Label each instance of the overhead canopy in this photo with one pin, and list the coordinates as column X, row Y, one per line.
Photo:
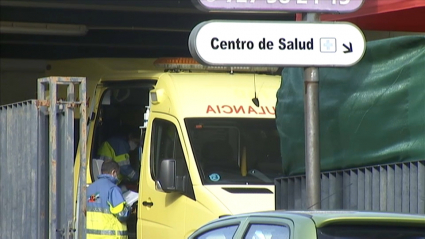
column 386, row 15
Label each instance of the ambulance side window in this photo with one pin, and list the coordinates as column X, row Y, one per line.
column 166, row 145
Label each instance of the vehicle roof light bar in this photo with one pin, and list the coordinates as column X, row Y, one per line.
column 188, row 63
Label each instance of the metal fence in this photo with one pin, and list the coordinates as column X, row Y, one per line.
column 37, row 161
column 398, row 187
column 23, row 171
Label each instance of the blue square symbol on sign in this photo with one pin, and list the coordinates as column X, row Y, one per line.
column 328, row 44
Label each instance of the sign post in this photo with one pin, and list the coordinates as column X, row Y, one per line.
column 307, row 44
column 312, row 129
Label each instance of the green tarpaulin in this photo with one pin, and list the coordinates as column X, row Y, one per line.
column 371, row 113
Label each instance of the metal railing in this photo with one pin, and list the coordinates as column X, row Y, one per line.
column 37, row 162
column 23, row 171
column 61, row 150
column 398, row 187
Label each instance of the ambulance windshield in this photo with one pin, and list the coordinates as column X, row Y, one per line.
column 235, row 150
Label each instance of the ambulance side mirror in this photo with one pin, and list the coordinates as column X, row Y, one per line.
column 168, row 181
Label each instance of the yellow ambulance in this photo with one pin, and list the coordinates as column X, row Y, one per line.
column 209, row 146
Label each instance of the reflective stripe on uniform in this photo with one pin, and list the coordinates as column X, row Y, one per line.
column 104, row 226
column 132, row 174
column 105, row 158
column 106, row 232
column 117, row 209
column 123, row 162
column 98, row 209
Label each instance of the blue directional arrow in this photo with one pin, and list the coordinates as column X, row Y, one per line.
column 349, row 49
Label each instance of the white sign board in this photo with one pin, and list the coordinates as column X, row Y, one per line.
column 266, row 43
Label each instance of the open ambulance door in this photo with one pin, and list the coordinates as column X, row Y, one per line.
column 116, row 104
column 78, row 207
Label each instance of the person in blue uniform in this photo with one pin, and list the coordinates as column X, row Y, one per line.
column 107, row 211
column 117, row 148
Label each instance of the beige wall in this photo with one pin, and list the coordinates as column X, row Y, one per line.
column 18, row 79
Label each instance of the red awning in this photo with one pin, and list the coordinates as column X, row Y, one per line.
column 386, row 15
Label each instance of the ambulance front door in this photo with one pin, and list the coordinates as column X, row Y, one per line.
column 162, row 215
